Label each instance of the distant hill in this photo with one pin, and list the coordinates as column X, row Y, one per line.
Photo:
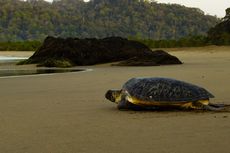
column 35, row 19
column 220, row 34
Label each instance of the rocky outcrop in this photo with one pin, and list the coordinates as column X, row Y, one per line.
column 61, row 52
column 220, row 34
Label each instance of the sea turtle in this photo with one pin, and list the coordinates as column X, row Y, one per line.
column 157, row 93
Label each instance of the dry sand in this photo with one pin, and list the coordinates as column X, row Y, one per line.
column 67, row 113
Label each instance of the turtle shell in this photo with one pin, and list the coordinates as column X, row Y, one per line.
column 165, row 89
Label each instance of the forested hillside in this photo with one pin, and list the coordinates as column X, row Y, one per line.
column 35, row 19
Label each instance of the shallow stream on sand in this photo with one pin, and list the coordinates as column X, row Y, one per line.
column 5, row 60
column 21, row 72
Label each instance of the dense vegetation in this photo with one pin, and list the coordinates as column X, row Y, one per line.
column 189, row 41
column 20, row 46
column 35, row 19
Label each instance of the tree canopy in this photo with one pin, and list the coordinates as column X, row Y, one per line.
column 35, row 19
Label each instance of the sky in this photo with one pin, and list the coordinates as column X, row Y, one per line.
column 211, row 7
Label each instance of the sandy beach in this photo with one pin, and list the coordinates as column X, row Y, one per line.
column 67, row 113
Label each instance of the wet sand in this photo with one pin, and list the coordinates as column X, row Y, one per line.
column 16, row 53
column 67, row 113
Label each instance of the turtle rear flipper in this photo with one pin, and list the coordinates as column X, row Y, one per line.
column 216, row 107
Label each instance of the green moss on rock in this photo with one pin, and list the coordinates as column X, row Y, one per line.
column 56, row 63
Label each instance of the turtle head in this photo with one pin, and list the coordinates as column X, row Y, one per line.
column 113, row 95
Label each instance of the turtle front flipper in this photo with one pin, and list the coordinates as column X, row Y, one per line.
column 126, row 105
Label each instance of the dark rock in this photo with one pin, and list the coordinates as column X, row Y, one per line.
column 74, row 51
column 220, row 34
column 155, row 58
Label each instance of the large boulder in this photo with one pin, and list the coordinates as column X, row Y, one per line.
column 61, row 52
